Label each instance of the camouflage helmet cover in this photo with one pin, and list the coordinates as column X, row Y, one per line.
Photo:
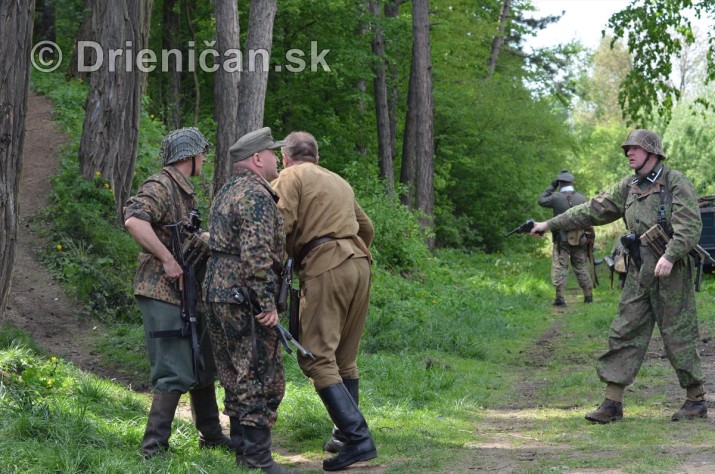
column 565, row 176
column 183, row 143
column 646, row 139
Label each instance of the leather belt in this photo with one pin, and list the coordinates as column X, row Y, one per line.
column 310, row 246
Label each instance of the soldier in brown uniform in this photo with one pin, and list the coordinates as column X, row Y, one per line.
column 569, row 246
column 658, row 288
column 247, row 247
column 327, row 234
column 164, row 199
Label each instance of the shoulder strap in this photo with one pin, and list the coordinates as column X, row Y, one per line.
column 665, row 197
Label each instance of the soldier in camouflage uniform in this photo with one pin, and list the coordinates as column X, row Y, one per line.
column 659, row 291
column 247, row 246
column 563, row 249
column 163, row 199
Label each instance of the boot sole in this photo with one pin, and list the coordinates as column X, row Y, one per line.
column 360, row 457
column 689, row 417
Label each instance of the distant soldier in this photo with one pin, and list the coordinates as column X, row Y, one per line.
column 569, row 245
column 658, row 288
column 164, row 199
column 247, row 246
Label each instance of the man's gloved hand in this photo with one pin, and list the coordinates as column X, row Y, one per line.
column 555, row 184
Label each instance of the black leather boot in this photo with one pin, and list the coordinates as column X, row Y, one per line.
column 344, row 412
column 257, row 451
column 158, row 426
column 204, row 411
column 690, row 410
column 237, row 439
column 336, row 443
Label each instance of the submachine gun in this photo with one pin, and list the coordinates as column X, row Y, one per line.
column 245, row 297
column 524, row 228
column 188, row 292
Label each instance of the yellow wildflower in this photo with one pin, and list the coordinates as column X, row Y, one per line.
column 97, row 174
column 59, row 247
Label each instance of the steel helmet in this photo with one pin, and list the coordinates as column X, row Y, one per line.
column 565, row 176
column 646, row 139
column 183, row 143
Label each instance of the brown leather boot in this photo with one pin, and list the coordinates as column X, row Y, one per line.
column 691, row 410
column 158, row 426
column 608, row 411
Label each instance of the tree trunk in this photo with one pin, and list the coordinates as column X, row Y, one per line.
column 499, row 38
column 407, row 172
column 392, row 10
column 110, row 134
column 85, row 33
column 421, row 83
column 382, row 111
column 225, row 90
column 170, row 40
column 45, row 21
column 15, row 45
column 252, row 90
column 194, row 73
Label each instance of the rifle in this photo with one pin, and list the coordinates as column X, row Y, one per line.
column 285, row 291
column 524, row 228
column 188, row 297
column 240, row 294
column 591, row 240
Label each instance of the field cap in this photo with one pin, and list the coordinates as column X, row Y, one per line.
column 253, row 142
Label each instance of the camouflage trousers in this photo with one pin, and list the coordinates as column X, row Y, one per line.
column 562, row 254
column 646, row 300
column 250, row 368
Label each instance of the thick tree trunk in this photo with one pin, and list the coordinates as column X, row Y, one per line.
column 110, row 134
column 392, row 10
column 499, row 38
column 382, row 111
column 170, row 41
column 409, row 146
column 421, row 84
column 254, row 81
column 225, row 90
column 15, row 46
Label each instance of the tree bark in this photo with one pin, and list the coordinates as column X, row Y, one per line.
column 254, row 81
column 498, row 39
column 170, row 40
column 225, row 90
column 421, row 84
column 392, row 10
column 110, row 134
column 15, row 46
column 85, row 33
column 382, row 111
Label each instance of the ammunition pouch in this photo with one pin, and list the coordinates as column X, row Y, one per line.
column 196, row 252
column 576, row 237
column 656, row 240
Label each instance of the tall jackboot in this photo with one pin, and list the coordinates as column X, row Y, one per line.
column 204, row 411
column 257, row 451
column 158, row 426
column 237, row 439
column 344, row 412
column 336, row 443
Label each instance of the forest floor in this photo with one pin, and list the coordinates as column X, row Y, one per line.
column 39, row 305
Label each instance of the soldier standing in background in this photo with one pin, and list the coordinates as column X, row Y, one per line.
column 327, row 234
column 165, row 199
column 569, row 245
column 658, row 288
column 247, row 246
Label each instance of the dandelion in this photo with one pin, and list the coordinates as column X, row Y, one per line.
column 151, row 116
column 106, row 185
column 59, row 247
column 97, row 174
column 53, row 359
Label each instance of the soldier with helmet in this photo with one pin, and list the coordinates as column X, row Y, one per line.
column 569, row 245
column 164, row 199
column 658, row 288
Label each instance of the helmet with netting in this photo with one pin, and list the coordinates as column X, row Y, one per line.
column 183, row 143
column 646, row 139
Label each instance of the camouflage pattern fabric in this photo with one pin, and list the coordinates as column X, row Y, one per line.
column 247, row 229
column 254, row 386
column 163, row 199
column 646, row 300
column 245, row 222
column 561, row 255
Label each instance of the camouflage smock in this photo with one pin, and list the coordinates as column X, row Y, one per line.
column 245, row 223
column 163, row 199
